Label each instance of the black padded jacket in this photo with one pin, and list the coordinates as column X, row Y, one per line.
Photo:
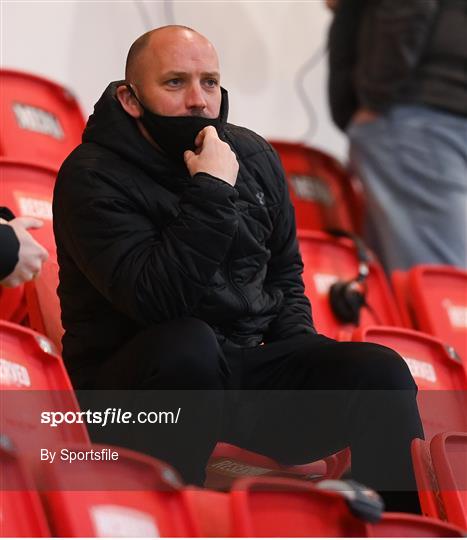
column 140, row 242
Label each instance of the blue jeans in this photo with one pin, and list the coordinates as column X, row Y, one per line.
column 412, row 162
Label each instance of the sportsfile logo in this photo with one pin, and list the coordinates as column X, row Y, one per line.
column 13, row 374
column 111, row 415
column 38, row 120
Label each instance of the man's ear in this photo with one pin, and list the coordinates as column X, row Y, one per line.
column 128, row 101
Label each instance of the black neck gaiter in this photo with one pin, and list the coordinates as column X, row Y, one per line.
column 176, row 134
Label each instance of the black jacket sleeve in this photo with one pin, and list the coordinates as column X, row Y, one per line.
column 392, row 39
column 342, row 43
column 9, row 250
column 9, row 244
column 6, row 213
column 285, row 269
column 149, row 274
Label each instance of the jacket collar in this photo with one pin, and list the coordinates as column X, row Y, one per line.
column 111, row 127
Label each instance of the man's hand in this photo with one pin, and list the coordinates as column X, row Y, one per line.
column 31, row 254
column 212, row 156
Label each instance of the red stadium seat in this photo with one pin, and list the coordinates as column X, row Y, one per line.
column 320, row 188
column 41, row 121
column 228, row 463
column 28, row 191
column 440, row 378
column 410, row 526
column 439, row 304
column 427, row 484
column 211, row 510
column 12, row 304
column 134, row 496
column 449, row 457
column 400, row 287
column 434, row 300
column 43, row 304
column 21, row 512
column 326, row 260
column 33, row 381
column 290, row 508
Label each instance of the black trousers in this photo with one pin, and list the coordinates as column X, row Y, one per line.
column 295, row 400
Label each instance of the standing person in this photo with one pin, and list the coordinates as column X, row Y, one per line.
column 398, row 86
column 180, row 271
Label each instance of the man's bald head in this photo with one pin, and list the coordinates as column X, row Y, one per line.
column 135, row 60
column 173, row 71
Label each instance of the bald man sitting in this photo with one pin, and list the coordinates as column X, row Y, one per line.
column 180, row 271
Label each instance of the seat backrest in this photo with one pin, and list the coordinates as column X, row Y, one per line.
column 22, row 514
column 394, row 525
column 34, row 383
column 132, row 495
column 318, row 187
column 293, row 508
column 30, row 361
column 400, row 287
column 440, row 378
column 229, row 463
column 12, row 304
column 28, row 191
column 326, row 260
column 449, row 457
column 43, row 304
column 41, row 121
column 211, row 510
column 439, row 301
column 427, row 484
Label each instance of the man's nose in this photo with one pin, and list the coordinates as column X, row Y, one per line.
column 195, row 98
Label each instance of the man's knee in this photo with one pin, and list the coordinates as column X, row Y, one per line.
column 192, row 356
column 384, row 369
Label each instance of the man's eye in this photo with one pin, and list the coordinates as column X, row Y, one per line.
column 174, row 82
column 211, row 83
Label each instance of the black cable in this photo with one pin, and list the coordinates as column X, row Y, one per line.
column 143, row 12
column 299, row 83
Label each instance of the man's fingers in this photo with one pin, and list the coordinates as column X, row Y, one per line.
column 208, row 131
column 200, row 137
column 187, row 155
column 44, row 254
column 29, row 222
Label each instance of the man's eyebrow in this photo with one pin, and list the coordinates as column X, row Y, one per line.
column 175, row 74
column 212, row 74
